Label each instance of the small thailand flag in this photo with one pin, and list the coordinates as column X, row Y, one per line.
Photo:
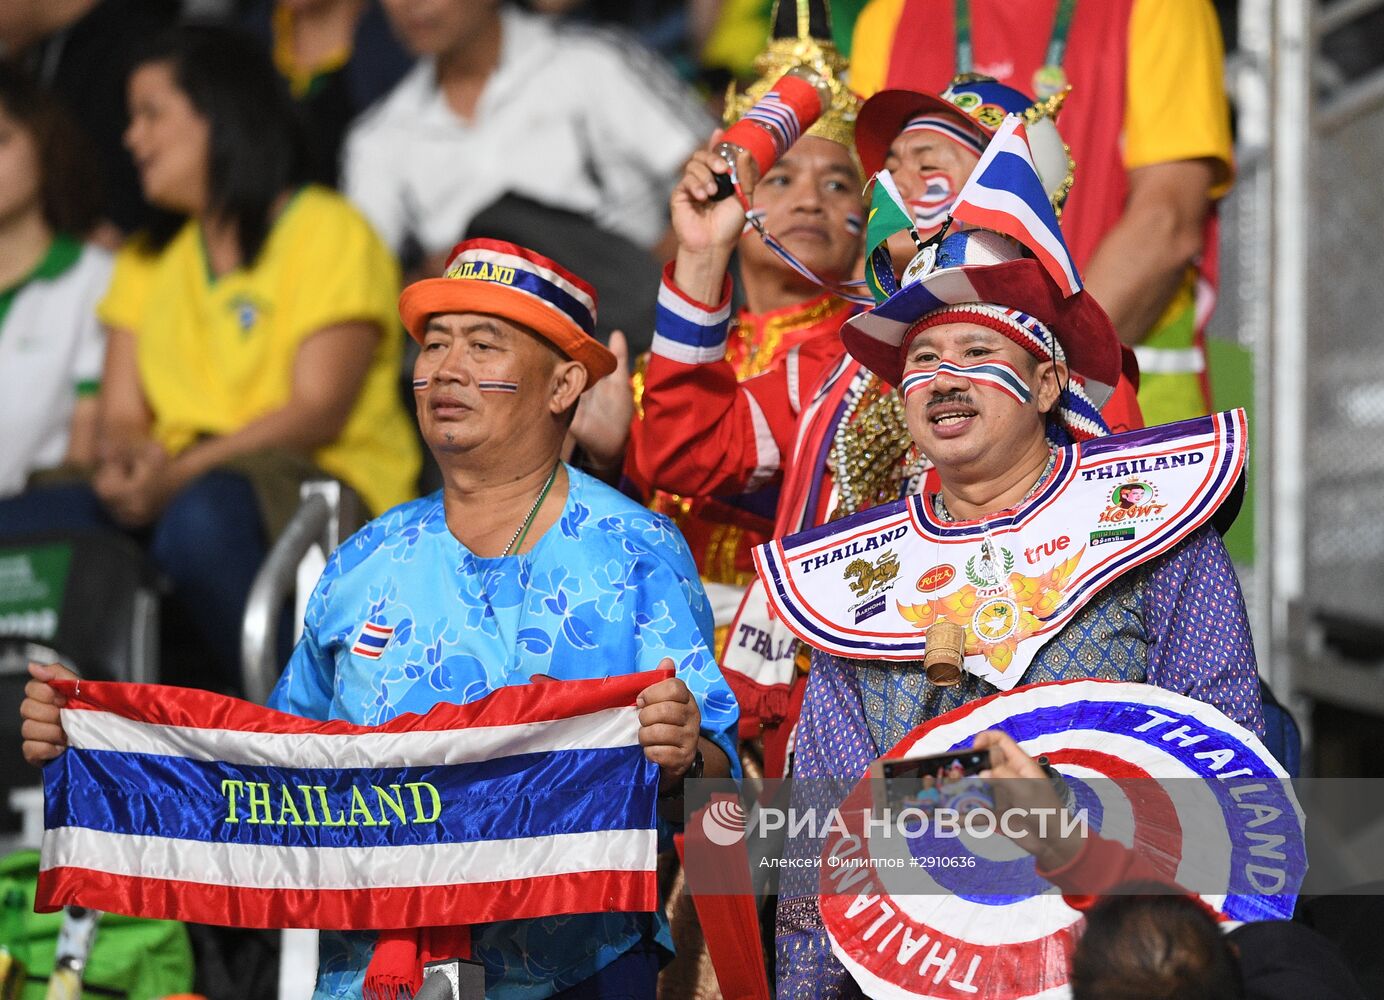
column 372, row 640
column 496, row 385
column 1004, row 194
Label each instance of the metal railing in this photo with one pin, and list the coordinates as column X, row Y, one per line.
column 329, row 511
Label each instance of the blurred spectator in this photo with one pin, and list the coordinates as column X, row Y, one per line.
column 786, row 337
column 338, row 56
column 1148, row 947
column 675, row 29
column 253, row 344
column 81, row 50
column 50, row 282
column 1149, row 128
column 1143, row 943
column 506, row 102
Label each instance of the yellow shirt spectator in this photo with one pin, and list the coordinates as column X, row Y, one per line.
column 216, row 353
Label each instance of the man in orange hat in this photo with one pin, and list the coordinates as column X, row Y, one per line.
column 519, row 568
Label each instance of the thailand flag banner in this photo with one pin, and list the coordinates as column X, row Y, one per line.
column 1004, row 194
column 180, row 804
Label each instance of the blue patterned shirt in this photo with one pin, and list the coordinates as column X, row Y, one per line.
column 610, row 589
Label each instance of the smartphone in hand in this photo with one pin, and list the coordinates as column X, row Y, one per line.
column 941, row 781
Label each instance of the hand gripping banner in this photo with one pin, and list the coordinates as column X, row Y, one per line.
column 534, row 801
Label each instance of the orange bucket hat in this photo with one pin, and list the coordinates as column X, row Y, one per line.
column 517, row 284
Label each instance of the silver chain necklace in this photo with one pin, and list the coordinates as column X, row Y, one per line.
column 528, row 520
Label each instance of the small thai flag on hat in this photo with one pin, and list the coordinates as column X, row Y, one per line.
column 372, row 640
column 1005, row 194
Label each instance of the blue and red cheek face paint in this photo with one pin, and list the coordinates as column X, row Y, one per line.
column 485, row 385
column 999, row 375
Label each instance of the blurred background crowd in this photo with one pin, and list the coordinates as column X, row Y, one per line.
column 208, row 208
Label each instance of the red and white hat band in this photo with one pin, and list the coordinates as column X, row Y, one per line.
column 949, row 127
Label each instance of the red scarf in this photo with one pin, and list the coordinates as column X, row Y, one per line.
column 396, row 967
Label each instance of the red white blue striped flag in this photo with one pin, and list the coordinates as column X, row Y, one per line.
column 1004, row 194
column 534, row 801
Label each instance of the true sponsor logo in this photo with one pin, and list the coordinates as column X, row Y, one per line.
column 1046, row 549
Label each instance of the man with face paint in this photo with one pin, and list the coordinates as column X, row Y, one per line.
column 520, row 567
column 829, row 431
column 1002, row 376
column 930, row 144
column 810, row 202
column 1148, row 123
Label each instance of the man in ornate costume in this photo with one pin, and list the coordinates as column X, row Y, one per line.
column 817, row 411
column 790, row 326
column 1024, row 550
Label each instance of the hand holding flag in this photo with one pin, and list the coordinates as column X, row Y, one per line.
column 1005, row 195
column 888, row 215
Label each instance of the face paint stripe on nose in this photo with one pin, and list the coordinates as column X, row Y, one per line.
column 992, row 374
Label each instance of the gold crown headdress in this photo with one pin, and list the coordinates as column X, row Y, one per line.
column 801, row 36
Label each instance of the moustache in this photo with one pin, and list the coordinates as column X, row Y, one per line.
column 964, row 398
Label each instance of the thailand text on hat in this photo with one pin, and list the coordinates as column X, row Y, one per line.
column 968, row 112
column 982, row 277
column 517, row 284
column 801, row 36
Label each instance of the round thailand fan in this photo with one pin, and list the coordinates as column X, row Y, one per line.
column 927, row 916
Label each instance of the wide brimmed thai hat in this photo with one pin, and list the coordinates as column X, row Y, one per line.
column 969, row 111
column 801, row 36
column 517, row 284
column 982, row 277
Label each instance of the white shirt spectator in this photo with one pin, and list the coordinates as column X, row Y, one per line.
column 51, row 350
column 572, row 117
